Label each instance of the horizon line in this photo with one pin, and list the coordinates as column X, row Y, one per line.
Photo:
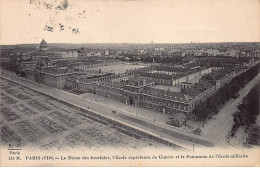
column 213, row 42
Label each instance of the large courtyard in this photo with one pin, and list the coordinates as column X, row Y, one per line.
column 31, row 119
column 119, row 68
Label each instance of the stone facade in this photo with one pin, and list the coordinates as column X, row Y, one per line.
column 140, row 92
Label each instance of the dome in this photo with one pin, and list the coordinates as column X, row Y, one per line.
column 43, row 44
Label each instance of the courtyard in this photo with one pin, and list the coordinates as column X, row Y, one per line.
column 119, row 68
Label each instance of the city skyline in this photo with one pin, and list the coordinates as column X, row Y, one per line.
column 132, row 22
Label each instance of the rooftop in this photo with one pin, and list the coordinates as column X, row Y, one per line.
column 112, row 83
column 180, row 73
column 198, row 89
column 169, row 88
column 218, row 74
column 53, row 70
column 177, row 96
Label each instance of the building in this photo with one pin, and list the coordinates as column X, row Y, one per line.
column 233, row 53
column 106, row 52
column 94, row 53
column 200, row 90
column 141, row 92
column 171, row 76
column 220, row 77
column 65, row 54
column 45, row 73
column 255, row 54
column 199, row 53
column 83, row 81
column 222, row 61
column 212, row 52
column 43, row 45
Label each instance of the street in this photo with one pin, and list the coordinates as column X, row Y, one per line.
column 217, row 129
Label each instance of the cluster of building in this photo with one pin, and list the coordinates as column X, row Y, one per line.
column 215, row 52
column 170, row 75
column 52, row 67
column 193, row 49
column 167, row 88
column 210, row 83
column 56, row 74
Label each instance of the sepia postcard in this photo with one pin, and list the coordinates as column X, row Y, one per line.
column 129, row 83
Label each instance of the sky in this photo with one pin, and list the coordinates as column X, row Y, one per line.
column 129, row 21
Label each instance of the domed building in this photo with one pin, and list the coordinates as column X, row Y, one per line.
column 43, row 45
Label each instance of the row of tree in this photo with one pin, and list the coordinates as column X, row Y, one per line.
column 210, row 107
column 248, row 110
